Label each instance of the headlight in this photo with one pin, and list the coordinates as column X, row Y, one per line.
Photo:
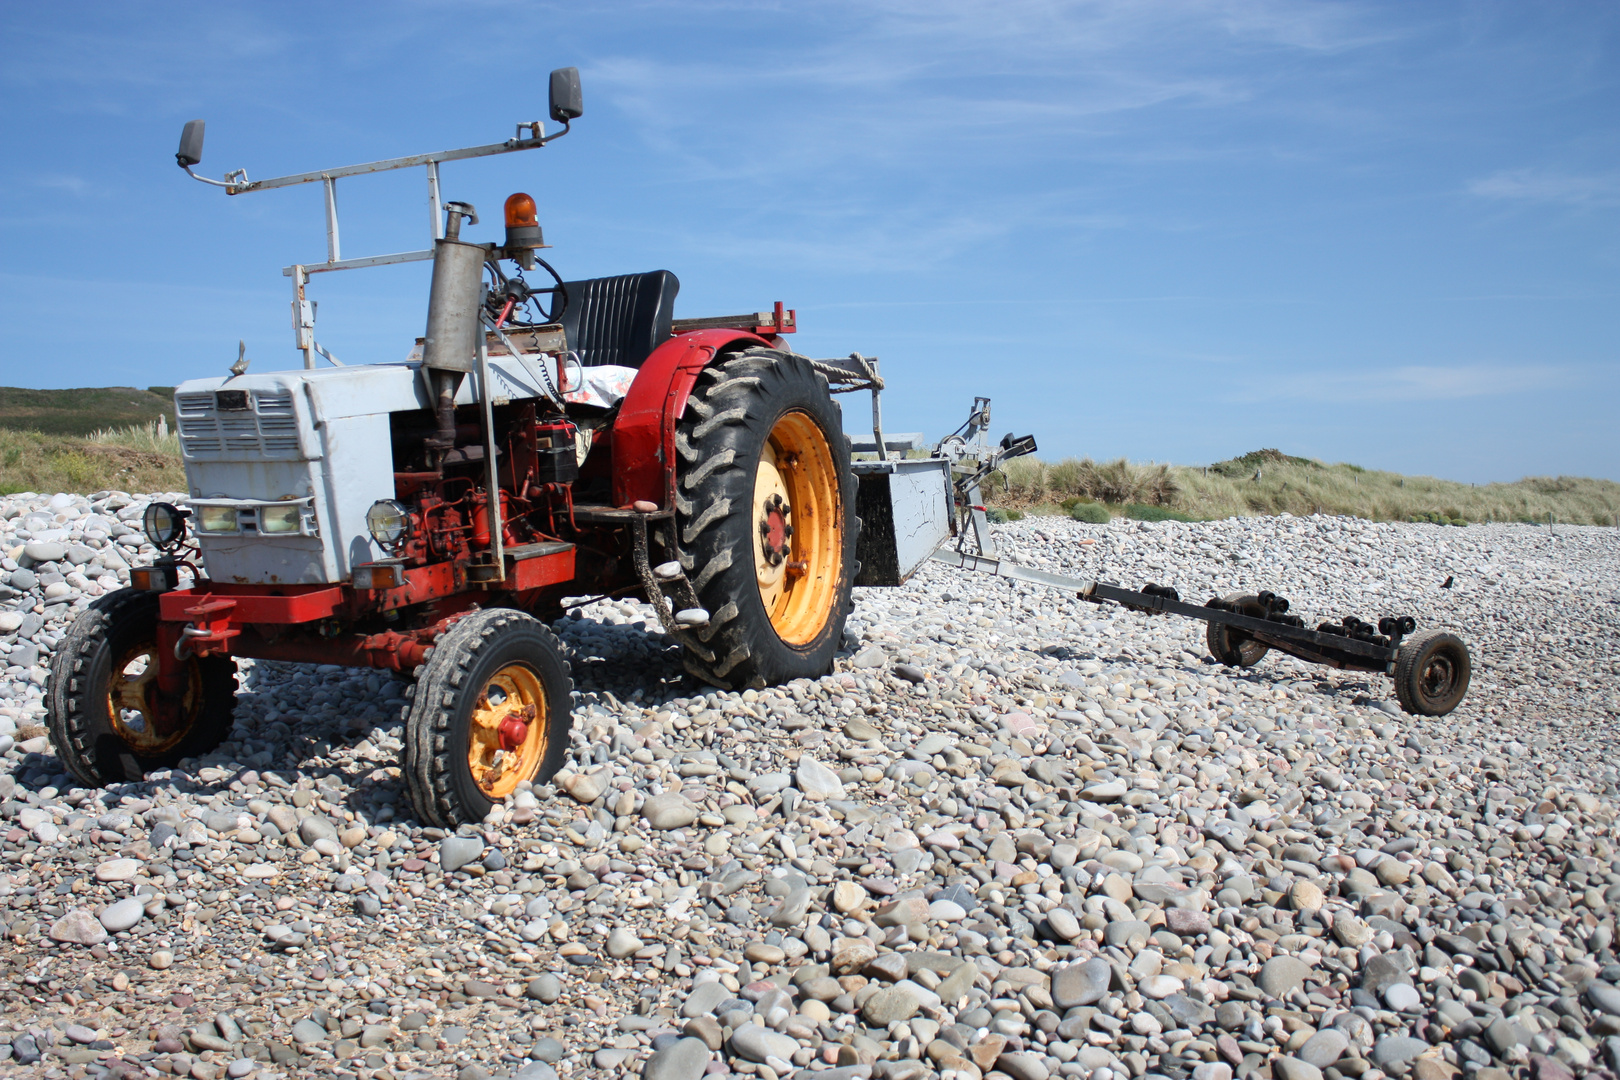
column 164, row 525
column 216, row 519
column 280, row 519
column 388, row 522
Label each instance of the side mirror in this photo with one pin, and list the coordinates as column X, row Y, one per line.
column 191, row 144
column 566, row 102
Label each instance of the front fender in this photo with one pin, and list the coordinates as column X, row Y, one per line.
column 644, row 431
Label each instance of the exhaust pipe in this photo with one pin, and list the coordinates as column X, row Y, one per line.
column 450, row 344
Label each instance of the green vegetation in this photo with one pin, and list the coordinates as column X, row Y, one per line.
column 85, row 410
column 1271, row 482
column 89, row 439
column 1139, row 512
column 1087, row 510
column 134, row 458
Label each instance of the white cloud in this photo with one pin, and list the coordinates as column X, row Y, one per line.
column 1415, row 382
column 1548, row 186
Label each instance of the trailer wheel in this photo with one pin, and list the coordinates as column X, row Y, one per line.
column 766, row 519
column 107, row 717
column 1431, row 673
column 492, row 709
column 1230, row 645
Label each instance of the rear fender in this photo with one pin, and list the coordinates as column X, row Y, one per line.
column 644, row 432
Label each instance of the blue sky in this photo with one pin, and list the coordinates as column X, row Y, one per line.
column 1379, row 233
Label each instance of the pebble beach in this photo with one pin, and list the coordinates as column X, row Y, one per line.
column 1012, row 836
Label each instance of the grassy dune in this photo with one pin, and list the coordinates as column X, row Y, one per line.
column 109, row 438
column 81, row 412
column 1269, row 482
column 134, row 458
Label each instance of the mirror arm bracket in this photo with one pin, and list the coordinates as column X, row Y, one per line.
column 233, row 183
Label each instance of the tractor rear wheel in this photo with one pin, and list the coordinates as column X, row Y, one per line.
column 1431, row 673
column 1230, row 645
column 490, row 710
column 765, row 513
column 106, row 715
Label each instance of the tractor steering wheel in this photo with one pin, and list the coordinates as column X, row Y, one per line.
column 520, row 293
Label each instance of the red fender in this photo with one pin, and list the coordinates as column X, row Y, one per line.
column 644, row 432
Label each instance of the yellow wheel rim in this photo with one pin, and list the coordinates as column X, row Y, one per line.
column 798, row 529
column 141, row 717
column 506, row 741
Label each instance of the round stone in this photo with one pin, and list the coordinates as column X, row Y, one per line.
column 671, row 811
column 1399, row 997
column 1282, row 975
column 684, row 1059
column 78, row 927
column 1306, row 896
column 118, row 869
column 622, row 943
column 1159, row 986
column 122, row 915
column 1081, row 984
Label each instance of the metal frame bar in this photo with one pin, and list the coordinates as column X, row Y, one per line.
column 497, row 542
column 236, row 183
column 408, row 162
column 1312, row 646
column 1275, row 633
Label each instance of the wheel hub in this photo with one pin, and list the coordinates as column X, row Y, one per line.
column 505, row 743
column 774, row 530
column 1438, row 676
column 513, row 733
column 147, row 720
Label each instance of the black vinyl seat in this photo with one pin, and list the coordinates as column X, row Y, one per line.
column 619, row 320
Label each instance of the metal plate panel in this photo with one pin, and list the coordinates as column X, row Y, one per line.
column 905, row 511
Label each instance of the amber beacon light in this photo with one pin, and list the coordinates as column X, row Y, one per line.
column 522, row 224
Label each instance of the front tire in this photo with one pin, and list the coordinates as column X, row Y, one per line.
column 1230, row 645
column 766, row 519
column 491, row 710
column 1431, row 673
column 107, row 717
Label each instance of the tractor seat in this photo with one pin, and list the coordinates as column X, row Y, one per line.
column 619, row 320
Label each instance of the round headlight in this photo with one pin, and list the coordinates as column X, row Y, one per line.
column 388, row 522
column 164, row 525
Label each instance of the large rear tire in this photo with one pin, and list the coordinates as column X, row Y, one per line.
column 105, row 713
column 1230, row 645
column 491, row 709
column 765, row 513
column 1431, row 673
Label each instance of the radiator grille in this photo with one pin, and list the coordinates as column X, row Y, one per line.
column 269, row 430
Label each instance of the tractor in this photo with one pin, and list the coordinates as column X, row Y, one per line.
column 546, row 441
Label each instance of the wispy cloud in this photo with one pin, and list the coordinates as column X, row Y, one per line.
column 1414, row 382
column 1550, row 186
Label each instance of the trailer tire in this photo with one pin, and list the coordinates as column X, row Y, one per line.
column 1230, row 645
column 487, row 669
column 109, row 655
column 1431, row 673
column 765, row 520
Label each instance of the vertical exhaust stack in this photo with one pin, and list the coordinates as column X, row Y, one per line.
column 450, row 345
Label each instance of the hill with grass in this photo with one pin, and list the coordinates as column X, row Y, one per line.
column 1271, row 482
column 84, row 410
column 88, row 439
column 99, row 438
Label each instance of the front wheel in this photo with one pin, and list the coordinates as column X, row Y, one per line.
column 108, row 718
column 766, row 519
column 491, row 709
column 1431, row 673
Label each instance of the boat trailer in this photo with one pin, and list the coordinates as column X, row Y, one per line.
column 911, row 508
